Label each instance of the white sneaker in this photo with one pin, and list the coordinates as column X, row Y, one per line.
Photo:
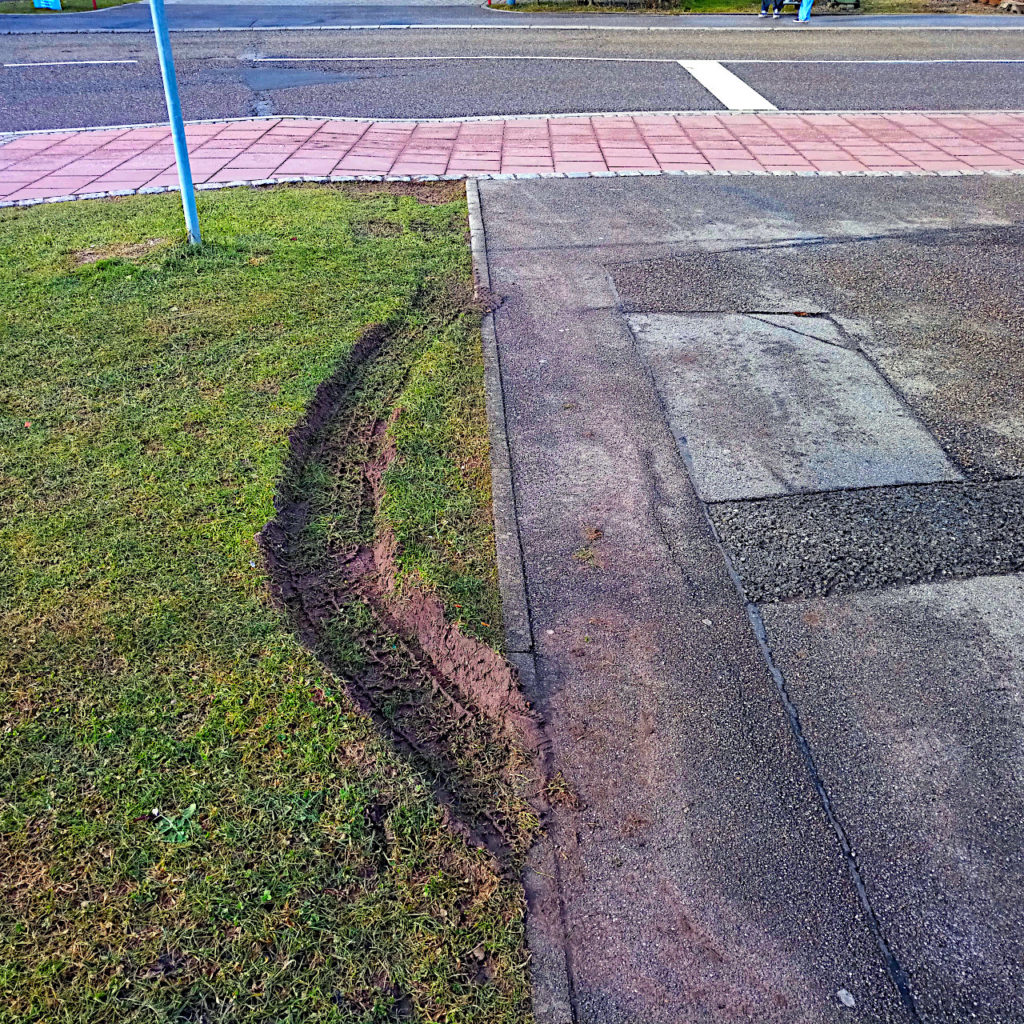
column 763, row 14
column 776, row 15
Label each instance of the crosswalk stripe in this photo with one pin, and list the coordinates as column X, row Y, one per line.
column 729, row 90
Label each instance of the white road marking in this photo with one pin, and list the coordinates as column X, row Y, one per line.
column 499, row 56
column 619, row 60
column 732, row 92
column 65, row 63
column 893, row 60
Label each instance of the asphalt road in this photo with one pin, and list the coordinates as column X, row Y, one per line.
column 44, row 84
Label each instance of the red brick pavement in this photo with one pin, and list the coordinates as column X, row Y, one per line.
column 69, row 163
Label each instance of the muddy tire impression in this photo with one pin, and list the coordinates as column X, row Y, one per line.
column 445, row 699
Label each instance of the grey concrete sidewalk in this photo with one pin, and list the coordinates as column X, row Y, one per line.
column 766, row 438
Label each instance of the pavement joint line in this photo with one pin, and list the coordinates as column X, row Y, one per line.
column 477, row 118
column 1000, row 172
column 897, row 973
column 857, row 489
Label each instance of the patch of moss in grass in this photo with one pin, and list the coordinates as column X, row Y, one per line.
column 194, row 823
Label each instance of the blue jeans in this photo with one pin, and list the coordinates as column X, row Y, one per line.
column 777, row 4
column 805, row 9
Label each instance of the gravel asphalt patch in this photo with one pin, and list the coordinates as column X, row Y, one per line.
column 844, row 541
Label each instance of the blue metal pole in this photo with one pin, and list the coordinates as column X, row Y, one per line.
column 163, row 49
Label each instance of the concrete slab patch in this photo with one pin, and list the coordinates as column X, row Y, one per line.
column 912, row 701
column 939, row 309
column 777, row 405
column 812, row 544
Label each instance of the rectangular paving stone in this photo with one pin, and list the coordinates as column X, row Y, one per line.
column 912, row 703
column 765, row 408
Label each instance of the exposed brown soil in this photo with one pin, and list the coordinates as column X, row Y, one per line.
column 121, row 250
column 445, row 698
column 434, row 193
column 477, row 671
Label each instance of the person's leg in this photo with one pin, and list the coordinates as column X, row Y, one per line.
column 805, row 10
column 777, row 8
column 764, row 8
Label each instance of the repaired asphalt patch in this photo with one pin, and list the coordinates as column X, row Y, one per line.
column 845, row 541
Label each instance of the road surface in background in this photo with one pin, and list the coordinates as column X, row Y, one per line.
column 52, row 81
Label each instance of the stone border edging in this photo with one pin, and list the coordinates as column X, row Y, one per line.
column 484, row 118
column 511, row 578
column 342, row 178
column 550, row 967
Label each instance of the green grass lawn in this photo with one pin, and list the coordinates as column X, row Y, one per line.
column 67, row 6
column 741, row 7
column 195, row 823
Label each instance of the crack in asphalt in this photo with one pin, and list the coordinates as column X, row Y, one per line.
column 895, row 970
column 760, row 318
